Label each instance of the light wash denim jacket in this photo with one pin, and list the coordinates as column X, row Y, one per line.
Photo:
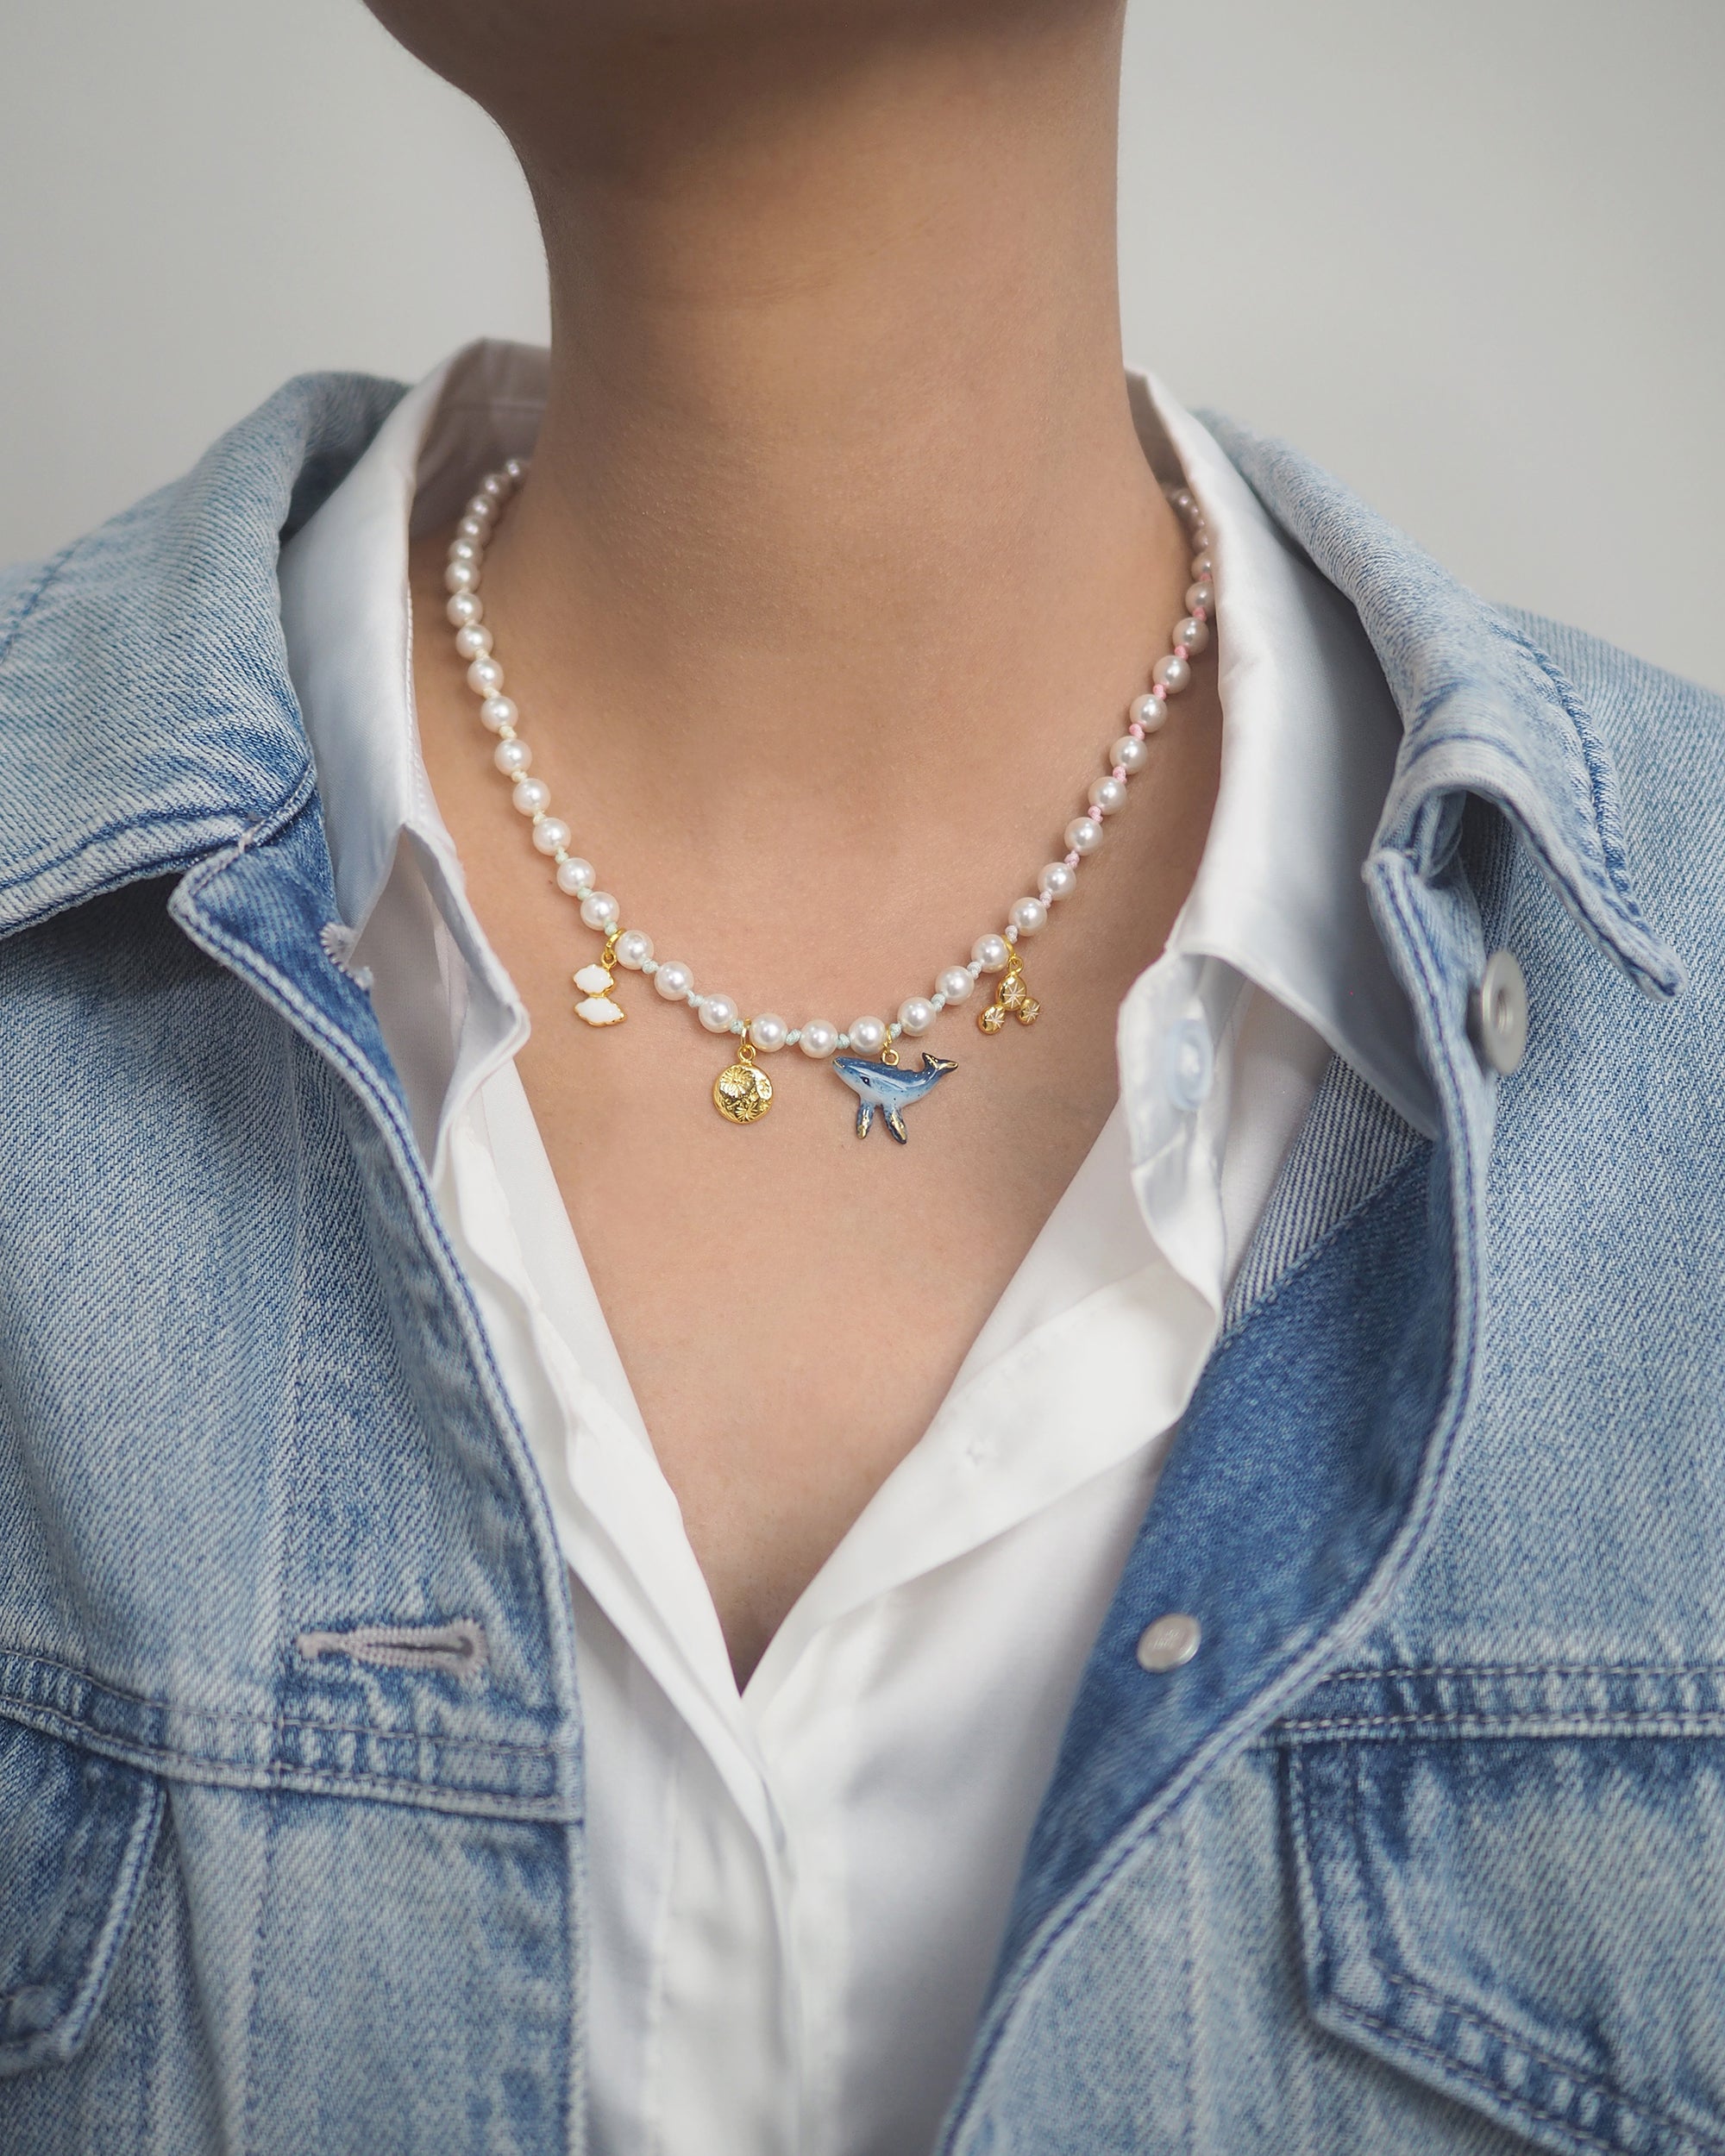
column 1423, row 1852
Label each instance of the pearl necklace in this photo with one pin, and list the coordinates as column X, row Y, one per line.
column 865, row 1055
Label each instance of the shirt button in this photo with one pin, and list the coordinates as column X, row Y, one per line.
column 1188, row 1063
column 1171, row 1641
column 1497, row 1014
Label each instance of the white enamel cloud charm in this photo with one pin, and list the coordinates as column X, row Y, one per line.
column 597, row 1008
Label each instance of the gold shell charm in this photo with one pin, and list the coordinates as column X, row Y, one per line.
column 1013, row 998
column 741, row 1093
column 595, row 984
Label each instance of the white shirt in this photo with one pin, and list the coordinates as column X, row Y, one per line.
column 798, row 1894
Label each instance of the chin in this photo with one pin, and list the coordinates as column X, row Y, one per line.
column 482, row 45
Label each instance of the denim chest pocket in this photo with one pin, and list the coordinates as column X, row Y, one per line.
column 76, row 1834
column 1535, row 1925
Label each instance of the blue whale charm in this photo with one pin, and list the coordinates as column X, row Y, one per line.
column 885, row 1087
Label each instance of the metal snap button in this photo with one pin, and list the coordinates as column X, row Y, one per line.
column 1188, row 1063
column 1171, row 1641
column 1497, row 1014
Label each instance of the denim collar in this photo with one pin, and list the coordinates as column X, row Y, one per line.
column 146, row 715
column 1485, row 711
column 150, row 723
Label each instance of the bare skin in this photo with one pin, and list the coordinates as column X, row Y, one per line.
column 839, row 565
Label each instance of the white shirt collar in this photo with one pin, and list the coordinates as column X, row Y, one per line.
column 1309, row 741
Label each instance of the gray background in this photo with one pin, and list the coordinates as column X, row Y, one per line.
column 1467, row 253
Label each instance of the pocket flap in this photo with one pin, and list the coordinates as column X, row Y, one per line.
column 76, row 1833
column 1536, row 1927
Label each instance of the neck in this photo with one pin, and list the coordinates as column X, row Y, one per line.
column 838, row 446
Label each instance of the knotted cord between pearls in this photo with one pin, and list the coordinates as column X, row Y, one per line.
column 718, row 1013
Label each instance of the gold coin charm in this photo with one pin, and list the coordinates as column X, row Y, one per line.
column 741, row 1093
column 1012, row 999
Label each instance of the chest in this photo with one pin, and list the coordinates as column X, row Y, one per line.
column 791, row 1296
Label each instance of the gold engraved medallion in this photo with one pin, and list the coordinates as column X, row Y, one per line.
column 741, row 1093
column 1012, row 999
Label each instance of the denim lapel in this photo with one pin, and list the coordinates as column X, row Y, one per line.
column 1316, row 1454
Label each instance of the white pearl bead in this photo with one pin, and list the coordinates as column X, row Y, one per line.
column 484, row 677
column 473, row 527
column 954, row 983
column 818, row 1038
column 673, row 980
column 1109, row 795
column 600, row 910
column 916, row 1015
column 511, row 756
column 463, row 607
column 767, row 1030
column 868, row 1036
column 574, row 873
column 481, row 509
column 472, row 640
column 1202, row 593
column 1129, row 752
column 715, row 1012
column 464, row 549
column 1150, row 712
column 1194, row 634
column 1028, row 915
column 499, row 712
column 460, row 576
column 495, row 486
column 1173, row 673
column 551, row 834
column 1203, row 567
column 634, row 948
column 991, row 953
column 1083, row 835
column 1057, row 881
column 531, row 796
column 515, row 470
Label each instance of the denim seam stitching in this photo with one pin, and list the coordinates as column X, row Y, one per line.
column 1562, row 690
column 32, row 596
column 277, row 1775
column 149, row 1923
column 1704, row 1723
column 60, row 2039
column 1608, row 888
column 1524, row 2105
column 1188, row 1982
column 1384, row 1576
column 1576, row 2075
column 482, row 1745
column 1361, row 1874
column 1580, row 722
column 45, row 864
column 1534, row 1669
column 249, row 2113
column 141, row 1843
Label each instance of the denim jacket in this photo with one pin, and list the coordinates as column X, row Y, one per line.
column 1421, row 1852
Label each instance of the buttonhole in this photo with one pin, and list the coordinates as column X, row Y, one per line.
column 454, row 1649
